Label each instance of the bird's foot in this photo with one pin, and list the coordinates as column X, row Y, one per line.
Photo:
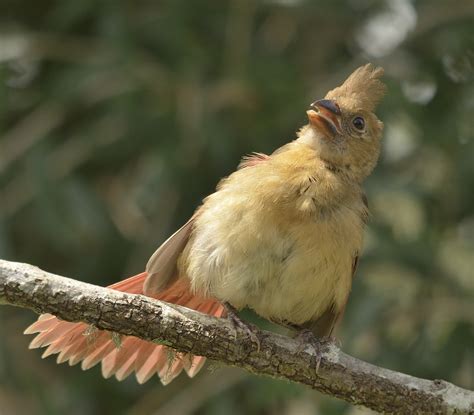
column 319, row 345
column 250, row 329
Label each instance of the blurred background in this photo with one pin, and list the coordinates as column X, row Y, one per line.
column 118, row 117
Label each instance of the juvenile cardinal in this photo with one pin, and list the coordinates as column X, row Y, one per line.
column 281, row 235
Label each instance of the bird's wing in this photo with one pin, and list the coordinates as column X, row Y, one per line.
column 253, row 159
column 162, row 268
column 324, row 326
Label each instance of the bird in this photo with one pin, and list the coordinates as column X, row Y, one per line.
column 281, row 236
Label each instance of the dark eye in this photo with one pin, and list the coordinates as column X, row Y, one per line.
column 359, row 123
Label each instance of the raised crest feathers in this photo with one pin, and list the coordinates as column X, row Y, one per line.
column 363, row 88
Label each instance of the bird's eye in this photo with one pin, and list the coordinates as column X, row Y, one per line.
column 359, row 123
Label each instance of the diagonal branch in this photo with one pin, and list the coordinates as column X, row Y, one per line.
column 339, row 375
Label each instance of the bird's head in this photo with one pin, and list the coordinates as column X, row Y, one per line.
column 343, row 128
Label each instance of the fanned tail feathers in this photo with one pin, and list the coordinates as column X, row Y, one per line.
column 123, row 355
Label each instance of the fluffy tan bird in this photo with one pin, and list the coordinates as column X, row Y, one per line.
column 281, row 235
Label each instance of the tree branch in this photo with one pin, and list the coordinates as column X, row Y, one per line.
column 339, row 375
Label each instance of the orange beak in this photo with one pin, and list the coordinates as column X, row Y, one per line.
column 325, row 116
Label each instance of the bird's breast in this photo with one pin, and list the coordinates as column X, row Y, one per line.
column 285, row 267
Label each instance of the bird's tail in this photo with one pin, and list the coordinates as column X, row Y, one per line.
column 120, row 356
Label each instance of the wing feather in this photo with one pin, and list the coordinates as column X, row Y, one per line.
column 162, row 266
column 325, row 325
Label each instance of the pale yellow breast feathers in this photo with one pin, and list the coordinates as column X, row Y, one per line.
column 278, row 237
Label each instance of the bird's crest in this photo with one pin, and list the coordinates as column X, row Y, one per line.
column 363, row 88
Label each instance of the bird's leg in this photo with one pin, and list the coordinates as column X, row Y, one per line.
column 319, row 344
column 237, row 322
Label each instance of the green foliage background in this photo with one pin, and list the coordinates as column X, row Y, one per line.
column 118, row 117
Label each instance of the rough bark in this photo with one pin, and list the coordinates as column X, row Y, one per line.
column 339, row 374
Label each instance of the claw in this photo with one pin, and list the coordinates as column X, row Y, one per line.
column 237, row 322
column 319, row 345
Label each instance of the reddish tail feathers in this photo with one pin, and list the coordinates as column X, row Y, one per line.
column 79, row 342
